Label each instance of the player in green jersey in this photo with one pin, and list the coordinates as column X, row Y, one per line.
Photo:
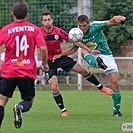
column 94, row 39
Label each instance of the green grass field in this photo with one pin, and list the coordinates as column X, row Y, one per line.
column 89, row 112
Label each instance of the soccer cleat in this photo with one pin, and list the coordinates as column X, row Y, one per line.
column 107, row 91
column 117, row 114
column 65, row 113
column 17, row 116
column 101, row 63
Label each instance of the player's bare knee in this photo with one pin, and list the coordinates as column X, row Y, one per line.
column 116, row 86
column 54, row 88
column 116, row 83
column 84, row 72
column 84, row 52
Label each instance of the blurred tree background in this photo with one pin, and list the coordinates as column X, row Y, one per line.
column 65, row 14
column 117, row 35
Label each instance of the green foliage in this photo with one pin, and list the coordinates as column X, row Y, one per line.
column 63, row 17
column 117, row 35
column 60, row 10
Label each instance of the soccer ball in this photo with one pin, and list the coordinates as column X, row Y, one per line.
column 75, row 35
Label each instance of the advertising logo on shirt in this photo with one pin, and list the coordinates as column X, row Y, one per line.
column 21, row 62
column 91, row 45
column 56, row 37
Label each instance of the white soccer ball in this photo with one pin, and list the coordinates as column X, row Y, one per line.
column 75, row 35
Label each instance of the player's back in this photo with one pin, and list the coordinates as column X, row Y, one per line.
column 20, row 39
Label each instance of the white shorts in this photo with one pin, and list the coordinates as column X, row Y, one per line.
column 109, row 61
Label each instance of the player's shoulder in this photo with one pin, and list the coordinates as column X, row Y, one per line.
column 19, row 24
column 60, row 31
column 4, row 29
column 56, row 29
column 6, row 26
column 42, row 28
column 31, row 24
column 97, row 23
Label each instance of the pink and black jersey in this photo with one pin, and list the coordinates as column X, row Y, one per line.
column 20, row 39
column 53, row 41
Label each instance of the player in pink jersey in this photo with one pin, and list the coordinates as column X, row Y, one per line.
column 19, row 68
column 53, row 37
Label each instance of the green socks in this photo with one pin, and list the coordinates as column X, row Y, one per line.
column 116, row 96
column 91, row 60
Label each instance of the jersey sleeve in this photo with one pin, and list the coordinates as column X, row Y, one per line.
column 39, row 38
column 99, row 24
column 1, row 37
column 64, row 35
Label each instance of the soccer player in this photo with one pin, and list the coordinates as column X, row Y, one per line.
column 53, row 37
column 95, row 39
column 19, row 68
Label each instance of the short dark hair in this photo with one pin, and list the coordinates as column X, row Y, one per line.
column 20, row 9
column 46, row 13
column 82, row 18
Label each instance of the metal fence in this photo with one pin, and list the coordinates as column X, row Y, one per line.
column 125, row 66
column 64, row 13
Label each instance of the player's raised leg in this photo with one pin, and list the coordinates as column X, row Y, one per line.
column 91, row 78
column 92, row 61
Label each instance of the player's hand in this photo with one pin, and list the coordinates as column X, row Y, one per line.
column 95, row 52
column 45, row 67
column 57, row 56
column 119, row 18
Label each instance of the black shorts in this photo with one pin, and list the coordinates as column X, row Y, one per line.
column 25, row 86
column 0, row 81
column 66, row 63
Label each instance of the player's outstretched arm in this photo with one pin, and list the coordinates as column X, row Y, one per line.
column 69, row 51
column 115, row 20
column 81, row 45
